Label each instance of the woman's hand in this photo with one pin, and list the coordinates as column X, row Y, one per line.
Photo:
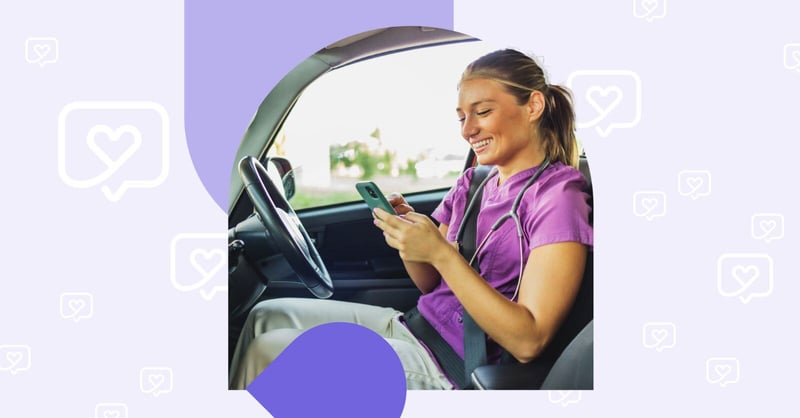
column 415, row 236
column 398, row 202
column 421, row 272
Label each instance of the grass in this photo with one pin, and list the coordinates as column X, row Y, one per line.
column 309, row 199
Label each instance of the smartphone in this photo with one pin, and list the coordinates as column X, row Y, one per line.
column 373, row 196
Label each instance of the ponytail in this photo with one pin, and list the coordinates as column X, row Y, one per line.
column 557, row 126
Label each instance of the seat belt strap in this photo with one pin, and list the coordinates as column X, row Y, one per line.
column 474, row 337
column 452, row 364
column 448, row 359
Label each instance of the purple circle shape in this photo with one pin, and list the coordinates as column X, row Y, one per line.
column 337, row 369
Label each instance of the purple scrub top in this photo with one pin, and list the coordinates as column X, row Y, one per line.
column 554, row 209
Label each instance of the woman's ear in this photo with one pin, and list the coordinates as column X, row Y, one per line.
column 536, row 103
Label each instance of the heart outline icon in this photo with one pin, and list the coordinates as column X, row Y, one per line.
column 722, row 371
column 199, row 259
column 564, row 397
column 155, row 381
column 649, row 203
column 114, row 135
column 745, row 275
column 13, row 357
column 76, row 305
column 694, row 183
column 659, row 335
column 767, row 226
column 603, row 92
column 41, row 50
column 649, row 6
column 180, row 260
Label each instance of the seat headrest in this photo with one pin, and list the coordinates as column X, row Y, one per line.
column 583, row 166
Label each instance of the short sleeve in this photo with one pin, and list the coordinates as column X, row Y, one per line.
column 559, row 210
column 451, row 209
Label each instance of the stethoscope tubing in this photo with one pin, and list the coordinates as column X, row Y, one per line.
column 511, row 214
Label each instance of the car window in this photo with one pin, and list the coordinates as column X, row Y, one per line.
column 389, row 119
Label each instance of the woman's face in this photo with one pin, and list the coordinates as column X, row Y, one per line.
column 499, row 130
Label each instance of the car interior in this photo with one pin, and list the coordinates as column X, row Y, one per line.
column 334, row 251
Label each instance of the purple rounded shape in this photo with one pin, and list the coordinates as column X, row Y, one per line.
column 236, row 52
column 335, row 370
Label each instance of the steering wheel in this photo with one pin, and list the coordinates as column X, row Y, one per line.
column 282, row 223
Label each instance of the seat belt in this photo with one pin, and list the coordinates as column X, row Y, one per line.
column 448, row 359
column 474, row 337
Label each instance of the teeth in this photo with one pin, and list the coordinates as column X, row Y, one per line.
column 481, row 143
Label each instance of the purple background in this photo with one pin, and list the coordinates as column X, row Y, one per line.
column 719, row 100
column 237, row 51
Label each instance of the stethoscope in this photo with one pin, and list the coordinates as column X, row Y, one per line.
column 511, row 214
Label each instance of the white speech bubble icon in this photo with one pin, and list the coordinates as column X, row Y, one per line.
column 658, row 335
column 113, row 144
column 745, row 276
column 111, row 410
column 606, row 99
column 15, row 358
column 766, row 226
column 722, row 370
column 155, row 380
column 649, row 204
column 196, row 259
column 694, row 183
column 76, row 305
column 564, row 397
column 649, row 10
column 791, row 57
column 41, row 51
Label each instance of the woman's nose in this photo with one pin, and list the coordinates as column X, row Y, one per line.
column 468, row 128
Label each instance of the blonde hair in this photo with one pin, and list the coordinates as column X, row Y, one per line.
column 521, row 75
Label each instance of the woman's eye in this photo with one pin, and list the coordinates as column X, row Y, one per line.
column 480, row 113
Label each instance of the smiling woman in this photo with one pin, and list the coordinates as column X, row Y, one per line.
column 389, row 117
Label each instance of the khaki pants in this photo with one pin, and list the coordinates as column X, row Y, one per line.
column 273, row 324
